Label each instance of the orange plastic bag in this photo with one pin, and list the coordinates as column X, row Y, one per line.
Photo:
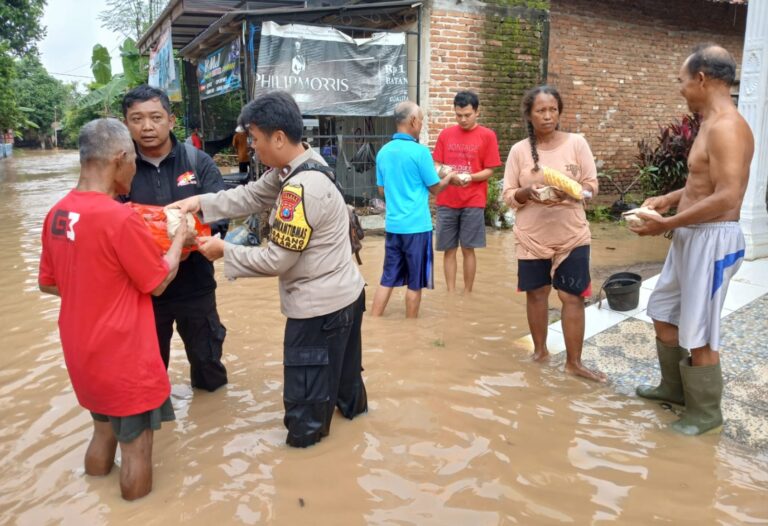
column 154, row 217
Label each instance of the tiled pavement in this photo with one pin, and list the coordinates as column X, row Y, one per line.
column 621, row 344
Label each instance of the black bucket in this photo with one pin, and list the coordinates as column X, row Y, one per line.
column 622, row 291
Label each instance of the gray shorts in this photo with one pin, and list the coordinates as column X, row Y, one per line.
column 128, row 428
column 691, row 289
column 465, row 225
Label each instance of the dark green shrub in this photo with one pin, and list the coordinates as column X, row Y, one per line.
column 663, row 161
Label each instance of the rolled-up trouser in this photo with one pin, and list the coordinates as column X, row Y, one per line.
column 198, row 324
column 322, row 369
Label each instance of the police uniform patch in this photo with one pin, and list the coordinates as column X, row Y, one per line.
column 290, row 228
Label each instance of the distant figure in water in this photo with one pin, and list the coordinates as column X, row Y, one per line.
column 100, row 258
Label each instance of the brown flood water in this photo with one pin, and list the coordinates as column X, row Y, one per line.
column 462, row 428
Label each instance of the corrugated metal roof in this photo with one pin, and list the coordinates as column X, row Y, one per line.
column 229, row 24
column 188, row 18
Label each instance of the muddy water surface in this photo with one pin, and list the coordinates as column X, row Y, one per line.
column 462, row 428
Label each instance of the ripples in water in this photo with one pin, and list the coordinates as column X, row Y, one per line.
column 462, row 430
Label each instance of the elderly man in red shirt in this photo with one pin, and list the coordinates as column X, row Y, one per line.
column 100, row 258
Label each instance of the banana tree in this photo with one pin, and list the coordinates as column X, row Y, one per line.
column 106, row 88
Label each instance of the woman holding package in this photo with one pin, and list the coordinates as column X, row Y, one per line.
column 546, row 179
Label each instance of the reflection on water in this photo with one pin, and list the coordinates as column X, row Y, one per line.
column 462, row 428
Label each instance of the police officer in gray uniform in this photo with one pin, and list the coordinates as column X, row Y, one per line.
column 321, row 288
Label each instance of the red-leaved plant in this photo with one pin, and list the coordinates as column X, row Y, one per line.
column 663, row 161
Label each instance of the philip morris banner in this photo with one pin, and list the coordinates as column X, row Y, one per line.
column 220, row 71
column 331, row 73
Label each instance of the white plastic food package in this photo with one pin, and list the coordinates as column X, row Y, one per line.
column 634, row 220
column 173, row 219
column 546, row 193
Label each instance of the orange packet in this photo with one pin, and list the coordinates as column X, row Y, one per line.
column 154, row 217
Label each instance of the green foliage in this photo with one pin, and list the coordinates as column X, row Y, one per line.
column 19, row 30
column 74, row 119
column 42, row 97
column 20, row 27
column 599, row 214
column 663, row 163
column 106, row 96
column 135, row 67
column 9, row 113
column 179, row 129
column 511, row 64
column 220, row 115
column 24, row 121
column 495, row 208
column 107, row 90
column 101, row 65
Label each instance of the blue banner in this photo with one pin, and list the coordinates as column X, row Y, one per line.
column 162, row 68
column 220, row 71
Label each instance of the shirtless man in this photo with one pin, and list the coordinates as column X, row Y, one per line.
column 707, row 245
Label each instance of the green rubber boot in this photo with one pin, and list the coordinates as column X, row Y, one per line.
column 703, row 387
column 671, row 387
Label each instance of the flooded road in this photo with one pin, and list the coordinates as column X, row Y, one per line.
column 462, row 428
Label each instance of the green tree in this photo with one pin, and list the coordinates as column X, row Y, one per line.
column 43, row 97
column 75, row 116
column 21, row 29
column 135, row 66
column 9, row 112
column 101, row 65
column 106, row 90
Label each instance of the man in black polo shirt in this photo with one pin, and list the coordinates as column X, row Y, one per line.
column 165, row 174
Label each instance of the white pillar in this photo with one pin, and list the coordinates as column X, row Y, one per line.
column 753, row 105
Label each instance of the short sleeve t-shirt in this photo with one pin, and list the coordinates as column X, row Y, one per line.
column 466, row 152
column 541, row 227
column 406, row 171
column 101, row 257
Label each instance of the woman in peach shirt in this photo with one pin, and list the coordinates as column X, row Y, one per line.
column 552, row 233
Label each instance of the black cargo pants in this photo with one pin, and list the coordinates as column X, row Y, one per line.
column 322, row 359
column 198, row 324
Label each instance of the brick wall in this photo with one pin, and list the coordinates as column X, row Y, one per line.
column 616, row 62
column 493, row 49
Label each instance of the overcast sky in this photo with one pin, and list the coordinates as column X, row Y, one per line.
column 73, row 28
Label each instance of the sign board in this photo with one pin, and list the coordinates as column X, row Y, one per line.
column 331, row 73
column 220, row 71
column 162, row 68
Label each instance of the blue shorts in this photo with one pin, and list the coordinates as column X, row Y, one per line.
column 408, row 261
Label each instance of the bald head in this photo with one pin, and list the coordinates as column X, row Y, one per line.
column 714, row 61
column 404, row 111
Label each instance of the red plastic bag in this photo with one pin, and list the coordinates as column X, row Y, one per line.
column 154, row 217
